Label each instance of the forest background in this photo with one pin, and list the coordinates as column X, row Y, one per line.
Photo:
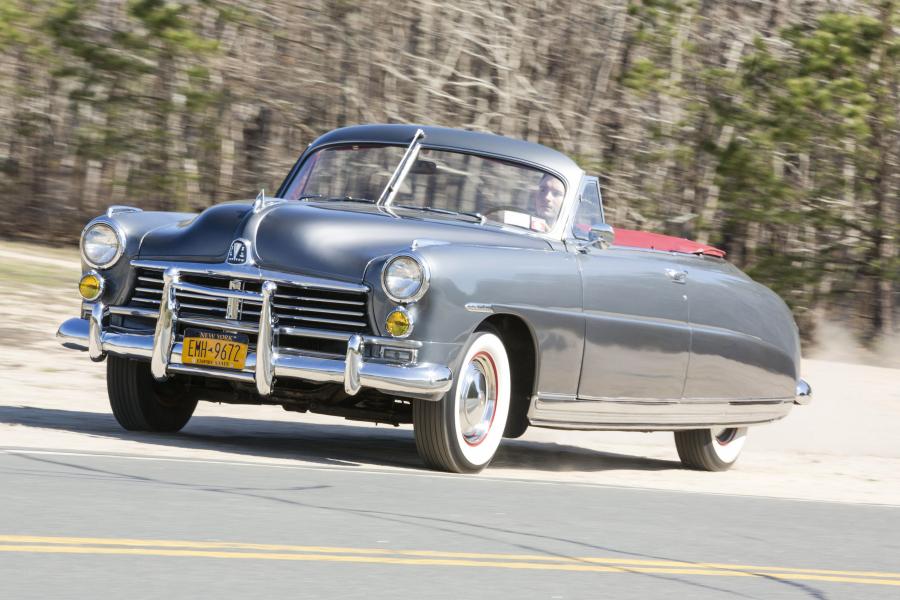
column 768, row 128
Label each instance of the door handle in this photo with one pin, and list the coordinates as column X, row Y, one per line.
column 677, row 276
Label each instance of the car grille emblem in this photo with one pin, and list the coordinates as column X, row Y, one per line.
column 233, row 309
column 237, row 254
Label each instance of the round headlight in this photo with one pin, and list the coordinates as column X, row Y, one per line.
column 404, row 279
column 100, row 245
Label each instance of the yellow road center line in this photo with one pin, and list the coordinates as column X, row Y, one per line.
column 619, row 562
column 101, row 550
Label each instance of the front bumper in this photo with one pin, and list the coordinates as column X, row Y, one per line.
column 355, row 371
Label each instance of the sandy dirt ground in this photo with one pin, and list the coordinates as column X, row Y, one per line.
column 844, row 447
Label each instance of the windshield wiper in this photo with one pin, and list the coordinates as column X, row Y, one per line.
column 443, row 211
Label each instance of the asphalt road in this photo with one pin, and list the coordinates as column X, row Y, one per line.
column 79, row 525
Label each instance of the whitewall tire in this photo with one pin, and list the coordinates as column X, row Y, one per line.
column 462, row 432
column 710, row 449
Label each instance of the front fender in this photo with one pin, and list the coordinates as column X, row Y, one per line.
column 133, row 227
column 542, row 287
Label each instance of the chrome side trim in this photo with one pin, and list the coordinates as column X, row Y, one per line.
column 585, row 398
column 479, row 308
column 423, row 242
column 653, row 416
column 265, row 345
column 545, row 397
column 804, row 393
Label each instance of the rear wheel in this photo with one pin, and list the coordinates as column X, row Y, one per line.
column 462, row 432
column 710, row 449
column 140, row 403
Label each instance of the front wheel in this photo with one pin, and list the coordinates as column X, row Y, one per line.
column 710, row 449
column 462, row 432
column 140, row 403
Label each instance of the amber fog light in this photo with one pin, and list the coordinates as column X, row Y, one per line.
column 398, row 323
column 90, row 286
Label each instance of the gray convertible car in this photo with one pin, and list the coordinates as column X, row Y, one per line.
column 463, row 282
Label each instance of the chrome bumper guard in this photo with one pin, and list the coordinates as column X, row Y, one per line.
column 428, row 381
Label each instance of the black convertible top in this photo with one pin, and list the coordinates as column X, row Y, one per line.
column 445, row 138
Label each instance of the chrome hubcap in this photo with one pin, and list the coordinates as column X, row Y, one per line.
column 477, row 398
column 724, row 436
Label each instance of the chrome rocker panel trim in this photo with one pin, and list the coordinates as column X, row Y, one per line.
column 262, row 368
column 608, row 414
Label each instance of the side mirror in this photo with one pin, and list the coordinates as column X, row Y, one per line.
column 604, row 234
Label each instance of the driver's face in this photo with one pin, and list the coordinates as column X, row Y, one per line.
column 548, row 198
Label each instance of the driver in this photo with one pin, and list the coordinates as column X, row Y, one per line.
column 545, row 203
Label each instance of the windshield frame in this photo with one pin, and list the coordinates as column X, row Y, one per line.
column 557, row 232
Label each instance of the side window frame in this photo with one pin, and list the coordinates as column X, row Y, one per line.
column 586, row 182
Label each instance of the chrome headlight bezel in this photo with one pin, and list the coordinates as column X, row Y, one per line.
column 119, row 237
column 424, row 277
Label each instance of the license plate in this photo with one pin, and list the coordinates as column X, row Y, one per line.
column 214, row 349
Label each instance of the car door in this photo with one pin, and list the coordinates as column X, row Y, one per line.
column 637, row 336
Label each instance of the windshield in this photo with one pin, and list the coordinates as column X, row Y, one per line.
column 450, row 181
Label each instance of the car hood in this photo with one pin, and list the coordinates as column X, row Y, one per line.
column 327, row 240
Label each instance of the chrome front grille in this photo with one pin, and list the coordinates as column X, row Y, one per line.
column 315, row 308
column 294, row 306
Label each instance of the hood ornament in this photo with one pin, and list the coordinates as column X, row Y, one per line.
column 262, row 201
